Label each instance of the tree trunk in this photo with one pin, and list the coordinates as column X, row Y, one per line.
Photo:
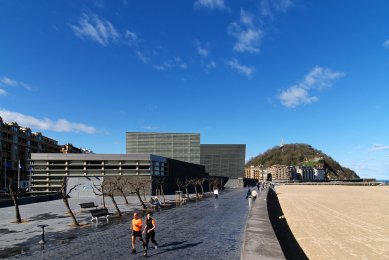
column 102, row 192
column 65, row 200
column 202, row 189
column 116, row 205
column 16, row 203
column 144, row 193
column 163, row 194
column 187, row 193
column 197, row 196
column 140, row 199
column 14, row 196
column 124, row 196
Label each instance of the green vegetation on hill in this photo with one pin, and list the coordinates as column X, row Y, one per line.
column 303, row 155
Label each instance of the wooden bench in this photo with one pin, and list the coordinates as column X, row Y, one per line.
column 88, row 205
column 96, row 213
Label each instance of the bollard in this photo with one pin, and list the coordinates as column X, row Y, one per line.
column 250, row 199
column 43, row 234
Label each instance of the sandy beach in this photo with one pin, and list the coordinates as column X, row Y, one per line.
column 338, row 222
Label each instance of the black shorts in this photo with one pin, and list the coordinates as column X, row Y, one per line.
column 137, row 234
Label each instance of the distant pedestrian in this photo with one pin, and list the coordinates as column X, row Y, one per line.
column 150, row 231
column 254, row 194
column 216, row 193
column 248, row 193
column 136, row 227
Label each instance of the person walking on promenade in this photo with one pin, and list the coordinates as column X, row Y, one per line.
column 248, row 194
column 254, row 194
column 150, row 231
column 137, row 232
column 216, row 193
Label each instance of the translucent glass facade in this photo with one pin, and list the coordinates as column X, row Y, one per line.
column 224, row 159
column 179, row 146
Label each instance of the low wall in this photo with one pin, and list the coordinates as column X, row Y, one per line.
column 29, row 200
column 288, row 242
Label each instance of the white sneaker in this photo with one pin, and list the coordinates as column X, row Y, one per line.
column 156, row 247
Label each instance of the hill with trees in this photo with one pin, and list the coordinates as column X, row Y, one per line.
column 303, row 155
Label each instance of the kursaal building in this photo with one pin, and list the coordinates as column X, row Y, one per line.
column 149, row 156
column 219, row 159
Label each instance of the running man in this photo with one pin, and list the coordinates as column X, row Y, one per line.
column 137, row 232
column 150, row 231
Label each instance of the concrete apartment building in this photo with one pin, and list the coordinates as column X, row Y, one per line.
column 279, row 172
column 255, row 172
column 16, row 145
column 179, row 146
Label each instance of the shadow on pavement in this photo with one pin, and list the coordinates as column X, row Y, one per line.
column 174, row 248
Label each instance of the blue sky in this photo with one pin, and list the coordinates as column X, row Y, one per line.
column 251, row 71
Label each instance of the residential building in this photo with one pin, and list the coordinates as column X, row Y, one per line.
column 256, row 172
column 279, row 172
column 319, row 174
column 16, row 145
column 305, row 173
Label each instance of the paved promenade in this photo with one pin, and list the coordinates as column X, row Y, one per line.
column 208, row 229
column 260, row 241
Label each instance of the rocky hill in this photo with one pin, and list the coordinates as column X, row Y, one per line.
column 303, row 155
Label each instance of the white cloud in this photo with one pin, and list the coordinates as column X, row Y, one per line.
column 282, row 5
column 94, row 28
column 295, row 96
column 211, row 65
column 131, row 38
column 234, row 64
column 386, row 44
column 317, row 79
column 211, row 4
column 203, row 52
column 13, row 83
column 176, row 62
column 379, row 147
column 179, row 63
column 142, row 57
column 247, row 34
column 202, row 49
column 270, row 7
column 3, row 92
column 61, row 125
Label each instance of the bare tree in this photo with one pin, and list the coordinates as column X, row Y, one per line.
column 136, row 185
column 179, row 184
column 187, row 182
column 121, row 185
column 109, row 190
column 199, row 181
column 213, row 182
column 14, row 193
column 65, row 196
column 100, row 189
column 159, row 181
column 193, row 182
